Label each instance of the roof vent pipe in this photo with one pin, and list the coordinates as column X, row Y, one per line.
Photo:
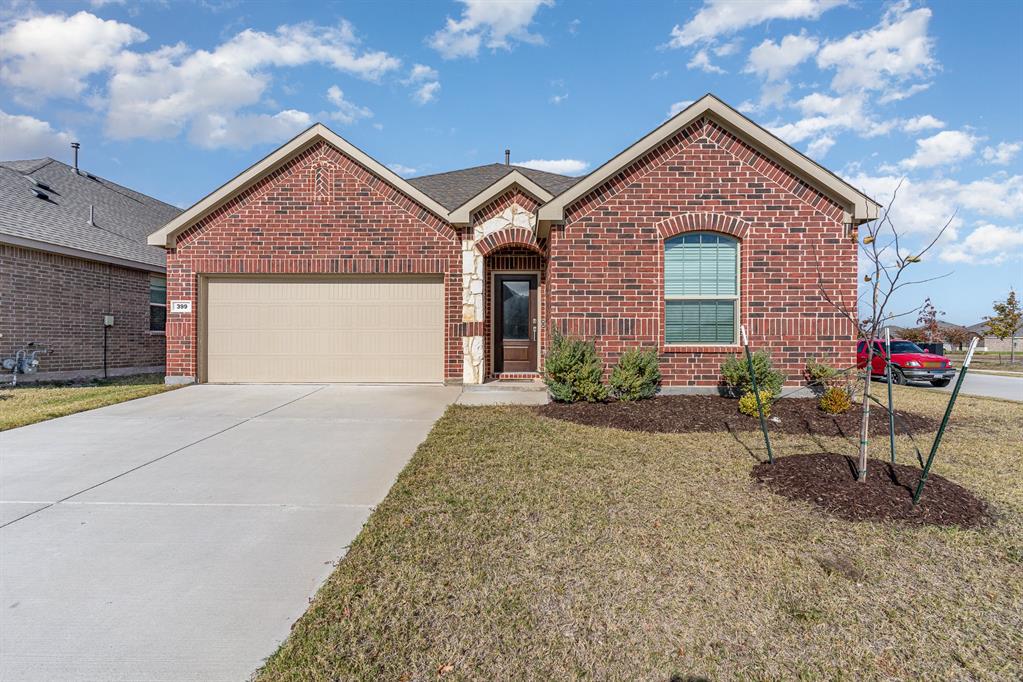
column 75, row 146
column 507, row 157
column 92, row 215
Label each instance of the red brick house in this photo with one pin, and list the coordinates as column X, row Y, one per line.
column 320, row 264
column 77, row 277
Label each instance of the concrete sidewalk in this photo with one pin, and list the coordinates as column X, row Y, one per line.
column 178, row 537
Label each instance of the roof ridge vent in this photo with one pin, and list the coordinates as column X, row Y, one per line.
column 40, row 194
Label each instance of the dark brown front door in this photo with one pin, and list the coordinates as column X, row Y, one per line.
column 515, row 323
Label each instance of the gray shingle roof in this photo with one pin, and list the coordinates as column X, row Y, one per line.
column 123, row 218
column 454, row 188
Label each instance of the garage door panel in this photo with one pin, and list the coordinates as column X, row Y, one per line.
column 285, row 330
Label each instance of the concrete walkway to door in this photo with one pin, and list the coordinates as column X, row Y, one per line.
column 178, row 537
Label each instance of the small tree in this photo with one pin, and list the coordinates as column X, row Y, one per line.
column 957, row 336
column 887, row 260
column 914, row 335
column 928, row 319
column 1005, row 323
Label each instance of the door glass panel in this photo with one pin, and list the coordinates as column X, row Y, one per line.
column 515, row 297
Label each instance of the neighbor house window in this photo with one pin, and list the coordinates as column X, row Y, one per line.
column 701, row 288
column 157, row 304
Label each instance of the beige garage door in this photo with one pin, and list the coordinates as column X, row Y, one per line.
column 366, row 329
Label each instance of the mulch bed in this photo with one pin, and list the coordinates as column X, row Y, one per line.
column 829, row 481
column 692, row 413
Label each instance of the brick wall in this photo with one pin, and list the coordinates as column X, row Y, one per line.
column 59, row 302
column 605, row 274
column 320, row 213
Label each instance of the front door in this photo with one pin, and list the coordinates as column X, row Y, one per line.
column 515, row 323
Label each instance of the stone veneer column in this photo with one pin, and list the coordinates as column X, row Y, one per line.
column 473, row 369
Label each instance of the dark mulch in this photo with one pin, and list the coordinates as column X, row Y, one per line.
column 689, row 413
column 829, row 481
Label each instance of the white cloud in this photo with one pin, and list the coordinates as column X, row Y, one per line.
column 701, row 61
column 921, row 123
column 558, row 99
column 25, row 137
column 827, row 114
column 658, row 75
column 678, row 106
column 561, row 166
column 819, row 147
column 986, row 244
column 722, row 17
column 424, row 81
column 729, row 48
column 53, row 55
column 923, row 206
column 946, row 147
column 243, row 131
column 427, row 92
column 894, row 95
column 158, row 94
column 1002, row 153
column 402, row 169
column 347, row 112
column 496, row 24
column 895, row 50
column 773, row 61
column 422, row 72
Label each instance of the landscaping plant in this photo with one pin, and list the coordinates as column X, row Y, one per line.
column 736, row 375
column 748, row 403
column 819, row 375
column 573, row 371
column 636, row 376
column 835, row 400
column 1005, row 323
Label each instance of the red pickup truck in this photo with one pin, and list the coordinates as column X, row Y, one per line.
column 909, row 363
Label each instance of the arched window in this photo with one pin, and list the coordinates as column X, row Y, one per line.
column 701, row 288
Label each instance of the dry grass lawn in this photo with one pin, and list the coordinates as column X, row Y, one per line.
column 514, row 547
column 30, row 403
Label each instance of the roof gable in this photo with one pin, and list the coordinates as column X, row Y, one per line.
column 454, row 188
column 166, row 235
column 463, row 214
column 859, row 207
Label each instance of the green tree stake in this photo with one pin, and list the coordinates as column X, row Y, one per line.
column 891, row 407
column 944, row 422
column 756, row 394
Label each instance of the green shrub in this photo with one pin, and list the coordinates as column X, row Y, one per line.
column 835, row 400
column 736, row 374
column 573, row 371
column 748, row 403
column 819, row 374
column 636, row 376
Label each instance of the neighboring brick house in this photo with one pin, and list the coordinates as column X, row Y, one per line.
column 989, row 342
column 320, row 264
column 73, row 252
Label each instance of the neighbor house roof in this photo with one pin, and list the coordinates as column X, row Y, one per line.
column 45, row 204
column 981, row 328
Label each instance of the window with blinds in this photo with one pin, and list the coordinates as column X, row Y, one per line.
column 701, row 288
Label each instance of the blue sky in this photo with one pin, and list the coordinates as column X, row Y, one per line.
column 174, row 98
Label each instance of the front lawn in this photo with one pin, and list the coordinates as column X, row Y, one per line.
column 31, row 403
column 516, row 546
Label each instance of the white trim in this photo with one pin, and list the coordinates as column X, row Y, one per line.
column 860, row 208
column 463, row 214
column 166, row 235
column 46, row 247
column 493, row 315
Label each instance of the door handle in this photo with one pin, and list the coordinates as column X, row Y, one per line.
column 534, row 329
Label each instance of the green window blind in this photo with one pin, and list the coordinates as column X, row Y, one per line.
column 698, row 268
column 700, row 264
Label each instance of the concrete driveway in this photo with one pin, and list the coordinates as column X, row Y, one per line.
column 178, row 537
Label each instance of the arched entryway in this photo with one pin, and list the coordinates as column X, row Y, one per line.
column 514, row 285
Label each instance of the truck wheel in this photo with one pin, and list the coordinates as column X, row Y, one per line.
column 898, row 377
column 940, row 383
